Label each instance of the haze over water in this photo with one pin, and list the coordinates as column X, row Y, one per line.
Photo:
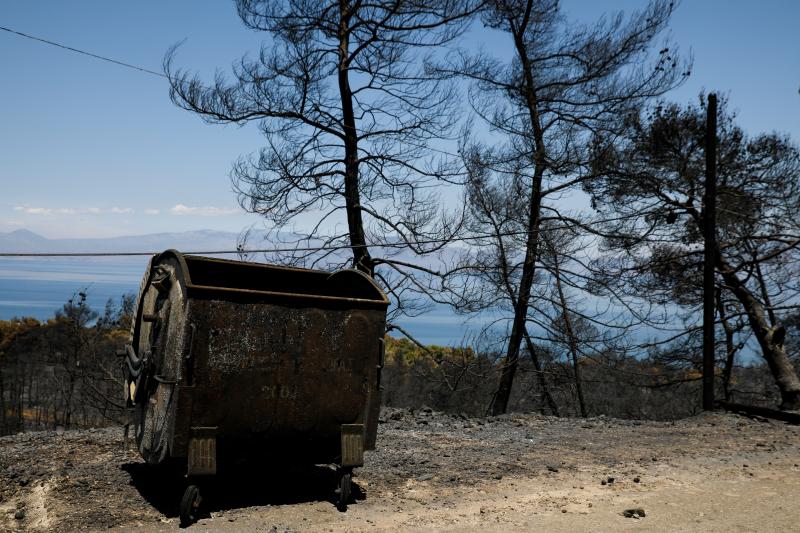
column 37, row 287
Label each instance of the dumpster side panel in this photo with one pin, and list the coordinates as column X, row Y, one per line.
column 289, row 373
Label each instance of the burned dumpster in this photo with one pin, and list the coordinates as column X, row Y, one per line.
column 228, row 356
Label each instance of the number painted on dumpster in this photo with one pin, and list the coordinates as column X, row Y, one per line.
column 280, row 392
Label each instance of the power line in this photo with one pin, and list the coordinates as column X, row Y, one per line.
column 131, row 254
column 264, row 250
column 71, row 49
column 112, row 254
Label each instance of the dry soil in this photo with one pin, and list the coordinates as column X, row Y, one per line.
column 437, row 472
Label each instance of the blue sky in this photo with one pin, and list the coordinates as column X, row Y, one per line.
column 91, row 149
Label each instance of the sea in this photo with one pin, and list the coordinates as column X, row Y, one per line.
column 37, row 287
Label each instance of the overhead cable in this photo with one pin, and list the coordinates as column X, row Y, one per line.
column 326, row 248
column 71, row 49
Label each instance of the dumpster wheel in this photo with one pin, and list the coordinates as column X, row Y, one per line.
column 344, row 490
column 190, row 503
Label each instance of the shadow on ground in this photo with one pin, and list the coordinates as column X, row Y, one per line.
column 234, row 488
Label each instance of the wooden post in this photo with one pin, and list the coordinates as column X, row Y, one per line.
column 710, row 234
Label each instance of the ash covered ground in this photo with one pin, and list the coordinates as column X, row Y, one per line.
column 436, row 472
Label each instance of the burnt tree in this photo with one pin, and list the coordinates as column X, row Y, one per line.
column 653, row 185
column 565, row 83
column 348, row 113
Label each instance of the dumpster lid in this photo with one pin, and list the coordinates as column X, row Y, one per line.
column 227, row 278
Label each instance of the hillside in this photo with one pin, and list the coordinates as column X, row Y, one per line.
column 714, row 472
column 28, row 241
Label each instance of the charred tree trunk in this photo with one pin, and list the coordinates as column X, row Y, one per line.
column 730, row 348
column 361, row 257
column 537, row 364
column 500, row 401
column 770, row 337
column 570, row 334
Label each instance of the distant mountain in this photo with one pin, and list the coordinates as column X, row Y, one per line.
column 21, row 240
column 187, row 241
column 25, row 241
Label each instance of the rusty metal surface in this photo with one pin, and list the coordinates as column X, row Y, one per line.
column 352, row 445
column 281, row 355
column 203, row 451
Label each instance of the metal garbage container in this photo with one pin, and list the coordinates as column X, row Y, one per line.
column 226, row 354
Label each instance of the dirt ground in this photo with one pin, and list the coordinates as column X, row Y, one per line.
column 437, row 472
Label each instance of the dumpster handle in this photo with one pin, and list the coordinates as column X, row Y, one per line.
column 132, row 361
column 190, row 344
column 190, row 354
